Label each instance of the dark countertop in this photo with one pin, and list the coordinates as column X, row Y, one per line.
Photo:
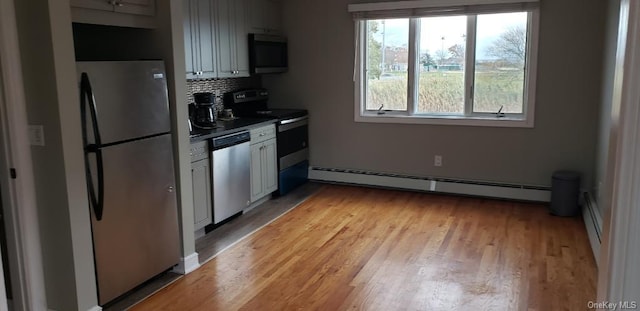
column 229, row 127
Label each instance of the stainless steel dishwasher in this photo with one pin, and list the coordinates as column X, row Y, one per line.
column 231, row 185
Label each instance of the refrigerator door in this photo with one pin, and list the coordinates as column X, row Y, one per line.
column 138, row 236
column 130, row 98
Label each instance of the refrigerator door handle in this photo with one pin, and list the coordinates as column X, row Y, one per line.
column 86, row 99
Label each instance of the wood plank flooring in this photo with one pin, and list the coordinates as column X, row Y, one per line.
column 372, row 249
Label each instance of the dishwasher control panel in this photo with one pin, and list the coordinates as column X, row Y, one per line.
column 230, row 140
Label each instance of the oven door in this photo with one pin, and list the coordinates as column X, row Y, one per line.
column 292, row 141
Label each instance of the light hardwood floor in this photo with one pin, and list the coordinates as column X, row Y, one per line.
column 372, row 249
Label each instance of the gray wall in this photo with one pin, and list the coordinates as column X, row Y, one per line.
column 321, row 40
column 610, row 45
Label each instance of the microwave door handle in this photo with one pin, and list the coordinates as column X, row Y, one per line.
column 87, row 99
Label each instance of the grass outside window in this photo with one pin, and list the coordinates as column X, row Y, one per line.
column 478, row 67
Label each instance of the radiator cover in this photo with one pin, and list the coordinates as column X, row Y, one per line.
column 432, row 184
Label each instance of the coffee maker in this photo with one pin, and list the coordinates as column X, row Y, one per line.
column 204, row 113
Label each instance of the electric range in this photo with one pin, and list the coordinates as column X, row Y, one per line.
column 292, row 132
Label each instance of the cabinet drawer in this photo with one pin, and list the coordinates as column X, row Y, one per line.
column 263, row 133
column 199, row 151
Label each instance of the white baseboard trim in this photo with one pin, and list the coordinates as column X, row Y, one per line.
column 593, row 224
column 95, row 308
column 187, row 264
column 442, row 185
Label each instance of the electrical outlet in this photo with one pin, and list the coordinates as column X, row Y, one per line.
column 437, row 160
column 36, row 135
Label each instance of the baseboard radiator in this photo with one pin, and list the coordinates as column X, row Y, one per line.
column 593, row 224
column 432, row 184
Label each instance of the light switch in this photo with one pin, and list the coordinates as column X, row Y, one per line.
column 36, row 135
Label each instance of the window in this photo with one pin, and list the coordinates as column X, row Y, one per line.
column 472, row 65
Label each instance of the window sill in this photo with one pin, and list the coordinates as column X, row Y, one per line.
column 445, row 120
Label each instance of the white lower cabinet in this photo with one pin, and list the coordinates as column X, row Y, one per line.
column 264, row 166
column 201, row 183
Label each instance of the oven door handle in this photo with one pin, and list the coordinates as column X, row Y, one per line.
column 283, row 122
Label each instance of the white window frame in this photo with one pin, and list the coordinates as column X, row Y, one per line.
column 525, row 119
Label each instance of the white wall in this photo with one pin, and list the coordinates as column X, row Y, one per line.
column 611, row 37
column 321, row 41
column 48, row 64
column 47, row 46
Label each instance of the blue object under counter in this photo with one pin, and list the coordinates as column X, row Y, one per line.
column 292, row 177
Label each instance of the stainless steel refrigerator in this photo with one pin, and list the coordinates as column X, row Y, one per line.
column 129, row 171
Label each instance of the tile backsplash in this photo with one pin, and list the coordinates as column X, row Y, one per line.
column 222, row 85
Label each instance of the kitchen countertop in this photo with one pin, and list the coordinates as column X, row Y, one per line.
column 229, row 127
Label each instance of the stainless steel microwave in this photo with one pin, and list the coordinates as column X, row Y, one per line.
column 267, row 54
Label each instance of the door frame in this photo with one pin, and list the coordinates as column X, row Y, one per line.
column 619, row 275
column 18, row 194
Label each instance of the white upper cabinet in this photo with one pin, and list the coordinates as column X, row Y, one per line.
column 233, row 50
column 264, row 16
column 124, row 13
column 216, row 39
column 139, row 7
column 199, row 39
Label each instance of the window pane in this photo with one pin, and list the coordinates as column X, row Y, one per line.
column 501, row 42
column 441, row 63
column 387, row 63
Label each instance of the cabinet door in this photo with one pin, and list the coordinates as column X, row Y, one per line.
column 206, row 35
column 241, row 38
column 256, row 172
column 263, row 16
column 272, row 17
column 199, row 37
column 225, row 42
column 201, row 180
column 233, row 49
column 256, row 16
column 270, row 166
column 190, row 38
column 139, row 7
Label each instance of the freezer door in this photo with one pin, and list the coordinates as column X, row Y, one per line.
column 130, row 98
column 138, row 236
